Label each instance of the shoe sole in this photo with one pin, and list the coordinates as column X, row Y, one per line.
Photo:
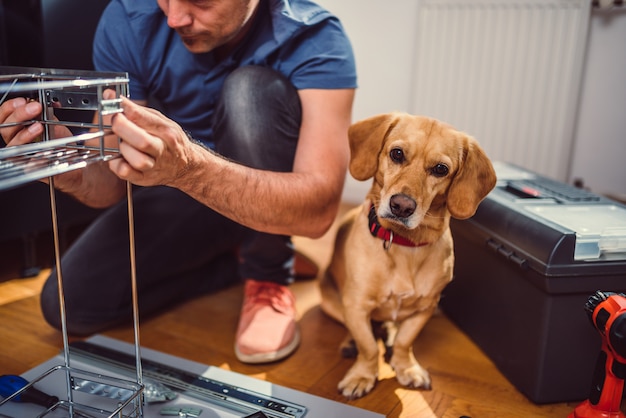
column 269, row 357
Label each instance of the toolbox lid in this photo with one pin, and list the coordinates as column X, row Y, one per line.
column 600, row 229
column 551, row 227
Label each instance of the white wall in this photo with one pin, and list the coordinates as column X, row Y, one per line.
column 383, row 34
column 599, row 156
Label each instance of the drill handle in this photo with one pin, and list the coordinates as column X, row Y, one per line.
column 599, row 377
column 606, row 388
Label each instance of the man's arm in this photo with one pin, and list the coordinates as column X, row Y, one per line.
column 303, row 202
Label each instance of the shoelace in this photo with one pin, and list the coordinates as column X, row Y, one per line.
column 269, row 294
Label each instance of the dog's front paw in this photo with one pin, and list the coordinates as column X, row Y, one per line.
column 415, row 376
column 357, row 383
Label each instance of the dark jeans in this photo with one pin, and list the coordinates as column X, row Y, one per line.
column 183, row 248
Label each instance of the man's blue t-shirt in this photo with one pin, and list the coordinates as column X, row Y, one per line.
column 298, row 38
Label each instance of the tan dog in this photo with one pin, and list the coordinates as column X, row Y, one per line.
column 394, row 254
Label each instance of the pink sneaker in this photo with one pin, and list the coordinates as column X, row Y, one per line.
column 267, row 328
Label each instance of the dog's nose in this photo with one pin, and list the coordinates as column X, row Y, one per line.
column 402, row 205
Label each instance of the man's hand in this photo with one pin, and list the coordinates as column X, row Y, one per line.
column 155, row 150
column 15, row 112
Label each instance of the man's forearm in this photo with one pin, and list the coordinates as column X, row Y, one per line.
column 274, row 202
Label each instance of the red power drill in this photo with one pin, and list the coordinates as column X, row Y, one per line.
column 607, row 311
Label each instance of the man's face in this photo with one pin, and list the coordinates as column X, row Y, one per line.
column 204, row 25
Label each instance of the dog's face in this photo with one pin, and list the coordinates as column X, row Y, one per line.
column 421, row 167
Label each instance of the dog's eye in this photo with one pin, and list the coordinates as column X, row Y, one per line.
column 397, row 155
column 439, row 170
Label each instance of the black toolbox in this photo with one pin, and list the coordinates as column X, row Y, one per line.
column 526, row 263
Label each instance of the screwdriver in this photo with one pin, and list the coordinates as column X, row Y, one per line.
column 9, row 384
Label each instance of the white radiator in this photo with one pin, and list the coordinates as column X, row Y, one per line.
column 506, row 71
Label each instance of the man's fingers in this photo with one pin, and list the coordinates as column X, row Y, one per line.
column 109, row 94
column 139, row 160
column 133, row 134
column 147, row 118
column 9, row 107
column 16, row 111
column 24, row 136
column 139, row 149
column 123, row 170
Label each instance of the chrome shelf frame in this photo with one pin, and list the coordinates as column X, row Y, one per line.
column 79, row 91
column 82, row 144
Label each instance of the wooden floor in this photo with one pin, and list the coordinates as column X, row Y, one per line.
column 465, row 382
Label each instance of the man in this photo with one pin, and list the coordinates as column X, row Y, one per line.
column 268, row 85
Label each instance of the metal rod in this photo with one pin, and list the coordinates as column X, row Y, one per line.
column 6, row 93
column 58, row 84
column 57, row 256
column 133, row 278
column 101, row 120
column 40, row 146
column 68, row 124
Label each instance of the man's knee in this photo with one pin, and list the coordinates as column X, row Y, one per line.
column 77, row 322
column 261, row 84
column 258, row 119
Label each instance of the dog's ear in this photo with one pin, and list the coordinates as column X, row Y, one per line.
column 474, row 180
column 366, row 140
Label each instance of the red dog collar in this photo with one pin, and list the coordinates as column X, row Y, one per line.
column 386, row 235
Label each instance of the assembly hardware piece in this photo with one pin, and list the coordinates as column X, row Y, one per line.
column 101, row 389
column 181, row 411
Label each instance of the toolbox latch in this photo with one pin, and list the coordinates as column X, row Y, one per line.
column 507, row 253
